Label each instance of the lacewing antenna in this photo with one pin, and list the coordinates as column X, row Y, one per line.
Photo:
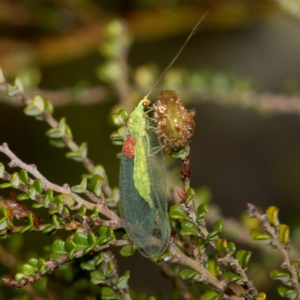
column 176, row 56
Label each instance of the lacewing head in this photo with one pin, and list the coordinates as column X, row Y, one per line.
column 174, row 124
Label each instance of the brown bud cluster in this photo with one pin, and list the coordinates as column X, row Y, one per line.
column 174, row 124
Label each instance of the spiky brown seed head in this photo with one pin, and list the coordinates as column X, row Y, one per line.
column 174, row 124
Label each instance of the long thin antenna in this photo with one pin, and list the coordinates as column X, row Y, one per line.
column 176, row 56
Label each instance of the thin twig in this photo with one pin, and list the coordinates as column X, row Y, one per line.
column 26, row 100
column 282, row 248
column 178, row 282
column 206, row 277
column 53, row 264
column 102, row 207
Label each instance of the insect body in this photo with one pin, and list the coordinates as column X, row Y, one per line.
column 143, row 198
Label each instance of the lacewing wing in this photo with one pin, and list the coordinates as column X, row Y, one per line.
column 143, row 197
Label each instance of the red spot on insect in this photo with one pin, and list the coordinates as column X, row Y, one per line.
column 128, row 146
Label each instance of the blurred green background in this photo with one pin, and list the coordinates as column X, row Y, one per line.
column 245, row 62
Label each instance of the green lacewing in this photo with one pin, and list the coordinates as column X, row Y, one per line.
column 143, row 196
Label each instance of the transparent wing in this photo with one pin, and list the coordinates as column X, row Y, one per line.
column 161, row 226
column 147, row 227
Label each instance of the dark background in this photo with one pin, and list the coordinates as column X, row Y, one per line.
column 241, row 155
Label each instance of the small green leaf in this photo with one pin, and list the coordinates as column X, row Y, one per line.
column 14, row 89
column 177, row 212
column 41, row 264
column 261, row 296
column 231, row 277
column 95, row 184
column 272, row 213
column 19, row 276
column 284, row 233
column 33, row 262
column 201, row 211
column 38, row 185
column 91, row 238
column 119, row 118
column 258, row 234
column 99, row 169
column 211, row 295
column 190, row 194
column 99, row 259
column 48, row 106
column 110, row 269
column 80, row 154
column 18, row 83
column 95, row 212
column 81, row 241
column 97, row 277
column 163, row 257
column 111, row 234
column 30, row 223
column 122, row 282
column 88, row 266
column 27, row 270
column 279, row 275
column 58, row 201
column 62, row 125
column 83, row 150
column 36, row 107
column 22, row 197
column 59, row 143
column 127, row 250
column 243, row 257
column 188, row 274
column 15, row 180
column 287, row 292
column 202, row 243
column 81, row 187
column 231, row 247
column 67, row 199
column 31, row 193
column 182, row 153
column 102, row 231
column 54, row 133
column 23, row 175
column 38, row 102
column 107, row 293
column 82, row 211
column 69, row 246
column 48, row 229
column 214, row 268
column 188, row 228
column 217, row 228
column 118, row 136
column 58, row 249
column 5, row 185
column 221, row 245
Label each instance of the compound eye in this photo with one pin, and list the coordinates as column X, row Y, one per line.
column 145, row 103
